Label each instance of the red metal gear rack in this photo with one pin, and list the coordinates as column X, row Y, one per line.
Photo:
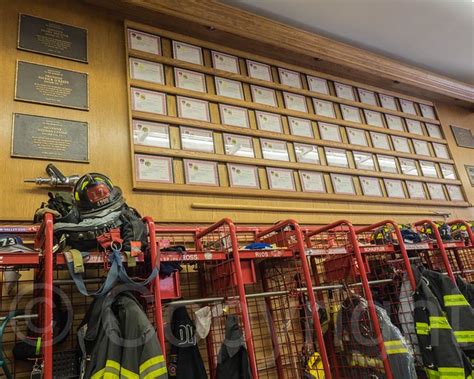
column 462, row 258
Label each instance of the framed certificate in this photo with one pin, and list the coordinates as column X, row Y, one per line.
column 408, row 166
column 148, row 101
column 394, row 188
column 388, row 101
column 234, row 116
column 289, row 78
column 194, row 81
column 380, row 140
column 269, row 121
column 350, row 113
column 259, row 70
column 273, row 149
column 370, row 186
column 188, row 53
column 387, row 163
column 343, row 184
column 428, row 169
column 317, row 84
column 436, row 191
column 448, row 171
column 470, row 173
column 241, row 146
column 330, row 132
column 193, row 108
column 229, row 88
column 407, row 106
column 344, row 91
column 263, row 95
column 243, row 176
column 415, row 190
column 150, row 134
column 295, row 102
column 146, row 71
column 455, row 193
column 357, row 137
column 312, row 181
column 306, row 153
column 434, row 130
column 441, row 151
column 373, row 118
column 427, row 111
column 225, row 62
column 421, row 147
column 401, row 144
column 300, row 127
column 414, row 126
column 367, row 97
column 281, row 179
column 197, row 139
column 200, row 172
column 394, row 122
column 364, row 161
column 324, row 108
column 153, row 169
column 149, row 43
column 336, row 157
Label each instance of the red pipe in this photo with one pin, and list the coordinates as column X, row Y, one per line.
column 48, row 297
column 468, row 228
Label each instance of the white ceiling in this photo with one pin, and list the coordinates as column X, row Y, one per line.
column 437, row 35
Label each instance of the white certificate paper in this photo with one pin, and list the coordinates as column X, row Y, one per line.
column 448, row 171
column 150, row 134
column 344, row 91
column 416, row 190
column 147, row 71
column 197, row 139
column 367, row 97
column 455, row 193
column 306, row 153
column 243, row 176
column 421, row 147
column 427, row 111
column 350, row 113
column 428, row 169
column 234, row 116
column 329, row 132
column 148, row 101
column 259, row 70
column 394, row 188
column 441, row 151
column 241, row 146
column 300, row 127
column 408, row 106
column 364, row 161
column 225, row 62
column 336, row 157
column 201, row 172
column 193, row 108
column 194, row 81
column 229, row 88
column 434, row 130
column 188, row 53
column 414, row 126
column 146, row 42
column 312, row 181
column 273, row 149
column 154, row 169
column 380, row 141
column 373, row 118
column 370, row 186
column 324, row 108
column 408, row 167
column 281, row 179
column 343, row 184
column 356, row 137
column 387, row 163
column 269, row 121
column 436, row 191
column 318, row 84
column 401, row 144
column 263, row 95
column 394, row 122
column 295, row 102
column 289, row 78
column 388, row 101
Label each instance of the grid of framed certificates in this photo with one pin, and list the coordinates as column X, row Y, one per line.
column 205, row 115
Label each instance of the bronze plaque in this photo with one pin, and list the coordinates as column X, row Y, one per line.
column 50, row 138
column 51, row 85
column 463, row 136
column 52, row 38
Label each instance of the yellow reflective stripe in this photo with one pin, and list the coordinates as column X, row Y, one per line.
column 150, row 362
column 99, row 374
column 422, row 328
column 393, row 343
column 127, row 374
column 451, row 372
column 455, row 301
column 112, row 364
column 397, row 351
column 464, row 336
column 439, row 322
column 395, row 347
column 155, row 373
column 110, row 375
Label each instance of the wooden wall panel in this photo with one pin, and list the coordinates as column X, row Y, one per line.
column 110, row 140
